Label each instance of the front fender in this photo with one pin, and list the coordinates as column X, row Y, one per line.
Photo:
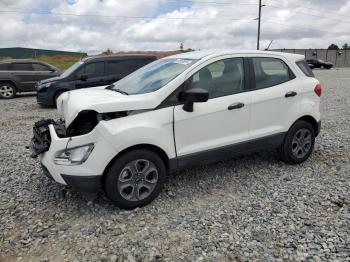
column 154, row 127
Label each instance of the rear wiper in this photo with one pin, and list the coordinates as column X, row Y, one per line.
column 110, row 87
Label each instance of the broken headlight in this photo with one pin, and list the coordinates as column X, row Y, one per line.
column 73, row 156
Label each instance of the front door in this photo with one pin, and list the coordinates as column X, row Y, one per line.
column 220, row 122
column 94, row 73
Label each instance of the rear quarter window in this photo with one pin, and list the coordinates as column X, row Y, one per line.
column 304, row 67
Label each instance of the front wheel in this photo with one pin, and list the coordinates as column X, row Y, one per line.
column 135, row 179
column 298, row 143
column 7, row 91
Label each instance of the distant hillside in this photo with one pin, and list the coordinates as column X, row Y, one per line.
column 21, row 52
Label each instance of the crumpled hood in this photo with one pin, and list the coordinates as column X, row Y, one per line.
column 101, row 100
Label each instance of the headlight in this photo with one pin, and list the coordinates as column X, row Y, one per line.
column 73, row 156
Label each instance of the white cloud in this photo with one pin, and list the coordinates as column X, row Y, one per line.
column 285, row 22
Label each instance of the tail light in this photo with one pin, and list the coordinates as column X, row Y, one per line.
column 318, row 90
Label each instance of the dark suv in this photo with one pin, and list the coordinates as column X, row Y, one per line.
column 21, row 75
column 90, row 72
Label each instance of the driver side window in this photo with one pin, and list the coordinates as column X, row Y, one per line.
column 221, row 78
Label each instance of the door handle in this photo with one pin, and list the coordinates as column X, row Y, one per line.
column 235, row 106
column 290, row 94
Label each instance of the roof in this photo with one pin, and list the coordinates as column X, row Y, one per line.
column 212, row 53
column 20, row 61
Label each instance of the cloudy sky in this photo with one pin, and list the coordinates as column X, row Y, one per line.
column 95, row 25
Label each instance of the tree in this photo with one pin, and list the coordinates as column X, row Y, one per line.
column 333, row 47
column 346, row 46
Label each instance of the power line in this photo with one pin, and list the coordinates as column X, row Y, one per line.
column 299, row 27
column 204, row 2
column 120, row 16
column 308, row 14
column 313, row 9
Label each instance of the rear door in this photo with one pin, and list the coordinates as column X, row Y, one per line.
column 25, row 74
column 274, row 97
column 95, row 73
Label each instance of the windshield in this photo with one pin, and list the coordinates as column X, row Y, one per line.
column 153, row 76
column 71, row 69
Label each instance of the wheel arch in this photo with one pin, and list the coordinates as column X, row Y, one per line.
column 150, row 147
column 312, row 121
column 10, row 82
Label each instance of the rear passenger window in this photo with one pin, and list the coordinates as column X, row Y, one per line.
column 305, row 68
column 221, row 78
column 270, row 72
column 22, row 67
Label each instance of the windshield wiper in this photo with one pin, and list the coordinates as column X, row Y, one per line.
column 110, row 87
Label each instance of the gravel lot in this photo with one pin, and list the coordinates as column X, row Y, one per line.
column 249, row 208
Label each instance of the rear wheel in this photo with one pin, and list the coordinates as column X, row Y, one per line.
column 298, row 143
column 135, row 179
column 7, row 91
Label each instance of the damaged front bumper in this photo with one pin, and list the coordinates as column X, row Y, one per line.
column 50, row 139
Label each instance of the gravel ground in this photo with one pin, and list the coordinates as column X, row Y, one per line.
column 248, row 208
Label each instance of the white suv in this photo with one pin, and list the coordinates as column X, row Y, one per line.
column 182, row 110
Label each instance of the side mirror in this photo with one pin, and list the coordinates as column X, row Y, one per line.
column 194, row 95
column 83, row 77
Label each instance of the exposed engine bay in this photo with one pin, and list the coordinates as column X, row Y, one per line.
column 83, row 124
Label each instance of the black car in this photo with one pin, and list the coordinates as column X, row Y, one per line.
column 21, row 75
column 90, row 72
column 319, row 63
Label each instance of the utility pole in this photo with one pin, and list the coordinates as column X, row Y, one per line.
column 259, row 20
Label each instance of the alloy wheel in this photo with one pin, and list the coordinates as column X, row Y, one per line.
column 301, row 143
column 6, row 91
column 137, row 180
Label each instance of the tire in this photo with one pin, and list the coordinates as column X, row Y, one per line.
column 298, row 143
column 7, row 91
column 140, row 169
column 321, row 67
